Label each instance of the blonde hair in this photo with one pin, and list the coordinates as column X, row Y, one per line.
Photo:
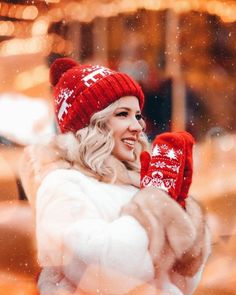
column 95, row 145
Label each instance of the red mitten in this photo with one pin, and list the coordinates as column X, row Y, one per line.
column 188, row 168
column 145, row 159
column 167, row 164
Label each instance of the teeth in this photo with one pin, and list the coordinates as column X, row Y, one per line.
column 128, row 141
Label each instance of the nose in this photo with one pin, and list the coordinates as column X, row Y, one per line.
column 135, row 126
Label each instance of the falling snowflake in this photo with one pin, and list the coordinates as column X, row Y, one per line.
column 171, row 154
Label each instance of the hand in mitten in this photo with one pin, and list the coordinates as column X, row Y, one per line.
column 170, row 166
column 164, row 169
column 188, row 167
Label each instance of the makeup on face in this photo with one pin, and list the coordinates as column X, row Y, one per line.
column 126, row 124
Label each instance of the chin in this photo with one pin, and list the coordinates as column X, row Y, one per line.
column 125, row 157
column 128, row 158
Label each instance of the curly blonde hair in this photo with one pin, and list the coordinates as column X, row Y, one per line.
column 93, row 145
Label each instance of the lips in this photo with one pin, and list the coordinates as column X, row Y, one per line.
column 130, row 142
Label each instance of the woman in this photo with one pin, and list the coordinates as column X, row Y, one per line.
column 98, row 230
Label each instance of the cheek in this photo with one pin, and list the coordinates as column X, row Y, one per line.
column 116, row 137
column 118, row 127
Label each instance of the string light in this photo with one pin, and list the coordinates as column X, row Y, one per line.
column 55, row 14
column 40, row 26
column 76, row 11
column 4, row 9
column 30, row 12
column 26, row 12
column 7, row 28
column 52, row 1
column 19, row 11
column 36, row 44
column 85, row 11
column 26, row 46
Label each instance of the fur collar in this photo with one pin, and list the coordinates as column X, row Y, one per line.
column 60, row 152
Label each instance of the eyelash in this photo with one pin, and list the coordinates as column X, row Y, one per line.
column 125, row 114
column 139, row 117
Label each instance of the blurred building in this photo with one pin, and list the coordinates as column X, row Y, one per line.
column 183, row 53
column 132, row 37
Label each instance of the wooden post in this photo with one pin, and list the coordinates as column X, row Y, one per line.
column 100, row 46
column 173, row 69
column 74, row 37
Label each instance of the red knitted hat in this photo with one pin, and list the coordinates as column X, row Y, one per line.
column 82, row 90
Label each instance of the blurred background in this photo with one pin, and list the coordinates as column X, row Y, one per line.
column 182, row 52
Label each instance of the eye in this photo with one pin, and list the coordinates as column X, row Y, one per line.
column 122, row 114
column 139, row 117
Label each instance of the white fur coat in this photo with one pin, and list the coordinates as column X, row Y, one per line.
column 111, row 239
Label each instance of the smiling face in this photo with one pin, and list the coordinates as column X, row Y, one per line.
column 126, row 123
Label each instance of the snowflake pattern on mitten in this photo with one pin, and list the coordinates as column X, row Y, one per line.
column 166, row 166
column 167, row 159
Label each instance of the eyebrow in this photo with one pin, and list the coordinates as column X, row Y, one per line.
column 127, row 109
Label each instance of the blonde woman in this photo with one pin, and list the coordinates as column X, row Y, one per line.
column 99, row 229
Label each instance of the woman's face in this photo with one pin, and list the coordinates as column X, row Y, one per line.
column 126, row 124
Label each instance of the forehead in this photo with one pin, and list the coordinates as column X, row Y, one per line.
column 130, row 102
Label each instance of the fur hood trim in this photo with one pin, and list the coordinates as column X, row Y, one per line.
column 61, row 152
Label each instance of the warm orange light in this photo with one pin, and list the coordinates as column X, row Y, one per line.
column 53, row 1
column 4, row 9
column 153, row 5
column 31, row 78
column 182, row 6
column 12, row 11
column 86, row 11
column 40, row 27
column 30, row 12
column 72, row 9
column 226, row 11
column 3, row 28
column 55, row 14
column 6, row 28
column 107, row 10
column 26, row 46
column 60, row 45
column 19, row 11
